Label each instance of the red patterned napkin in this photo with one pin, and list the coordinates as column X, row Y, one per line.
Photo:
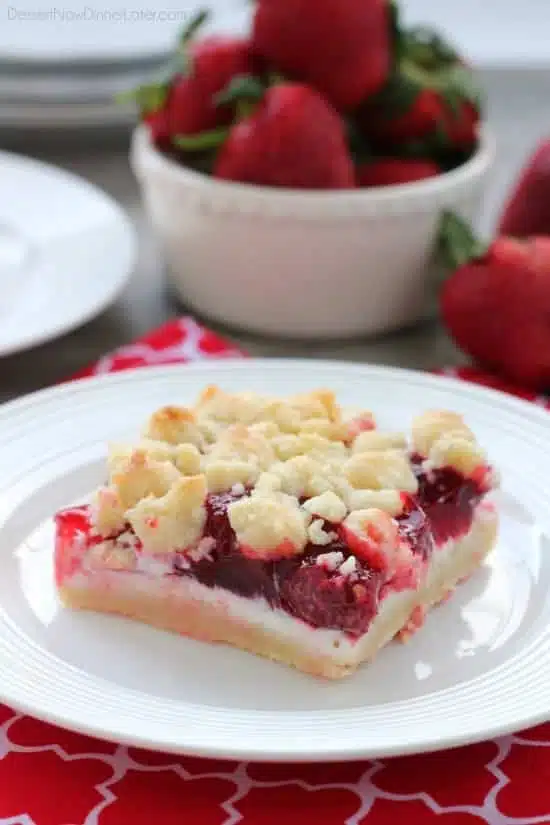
column 49, row 776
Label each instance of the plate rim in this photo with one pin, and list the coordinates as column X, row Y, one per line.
column 248, row 752
column 111, row 291
column 240, row 363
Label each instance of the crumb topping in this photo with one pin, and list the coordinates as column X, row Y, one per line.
column 334, row 562
column 444, row 440
column 317, row 534
column 328, row 506
column 107, row 512
column 459, row 453
column 141, row 476
column 269, row 526
column 300, row 465
column 381, row 470
column 349, row 567
column 174, row 521
column 374, row 440
column 185, row 457
column 176, row 425
column 433, row 424
column 223, row 474
column 330, row 561
column 373, row 536
column 390, row 501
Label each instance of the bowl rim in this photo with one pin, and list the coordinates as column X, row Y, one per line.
column 145, row 159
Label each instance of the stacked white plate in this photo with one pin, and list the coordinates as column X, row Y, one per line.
column 63, row 64
column 66, row 252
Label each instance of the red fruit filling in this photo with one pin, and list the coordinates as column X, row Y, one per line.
column 448, row 499
column 325, row 598
column 415, row 528
column 72, row 533
column 321, row 597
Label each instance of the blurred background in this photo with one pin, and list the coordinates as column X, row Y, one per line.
column 35, row 31
column 62, row 62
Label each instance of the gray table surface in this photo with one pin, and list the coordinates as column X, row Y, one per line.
column 519, row 115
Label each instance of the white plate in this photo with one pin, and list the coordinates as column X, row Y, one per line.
column 480, row 667
column 78, row 252
column 59, row 116
column 88, row 88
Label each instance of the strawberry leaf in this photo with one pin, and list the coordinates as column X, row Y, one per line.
column 462, row 80
column 457, row 244
column 359, row 149
column 201, row 142
column 396, row 33
column 244, row 87
column 398, row 95
column 415, row 149
column 178, row 65
column 152, row 96
column 452, row 99
column 149, row 97
column 426, row 47
column 456, row 87
column 190, row 30
column 455, row 84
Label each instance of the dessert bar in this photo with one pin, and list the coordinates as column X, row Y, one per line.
column 287, row 527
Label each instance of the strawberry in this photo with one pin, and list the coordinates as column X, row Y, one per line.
column 496, row 304
column 420, row 115
column 417, row 106
column 460, row 127
column 391, row 171
column 214, row 60
column 157, row 120
column 527, row 212
column 293, row 138
column 182, row 99
column 431, row 95
column 341, row 47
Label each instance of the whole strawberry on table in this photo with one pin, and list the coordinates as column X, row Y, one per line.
column 495, row 302
column 320, row 94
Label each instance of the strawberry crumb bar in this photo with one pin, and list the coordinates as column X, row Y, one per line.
column 282, row 527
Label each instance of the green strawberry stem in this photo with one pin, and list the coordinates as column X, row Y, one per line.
column 189, row 31
column 241, row 88
column 456, row 242
column 428, row 48
column 397, row 33
column 358, row 146
column 202, row 142
column 398, row 95
column 244, row 93
column 150, row 97
column 454, row 83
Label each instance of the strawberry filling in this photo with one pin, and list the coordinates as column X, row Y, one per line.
column 344, row 595
column 326, row 598
column 448, row 499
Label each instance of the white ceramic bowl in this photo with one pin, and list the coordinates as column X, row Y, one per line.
column 301, row 263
